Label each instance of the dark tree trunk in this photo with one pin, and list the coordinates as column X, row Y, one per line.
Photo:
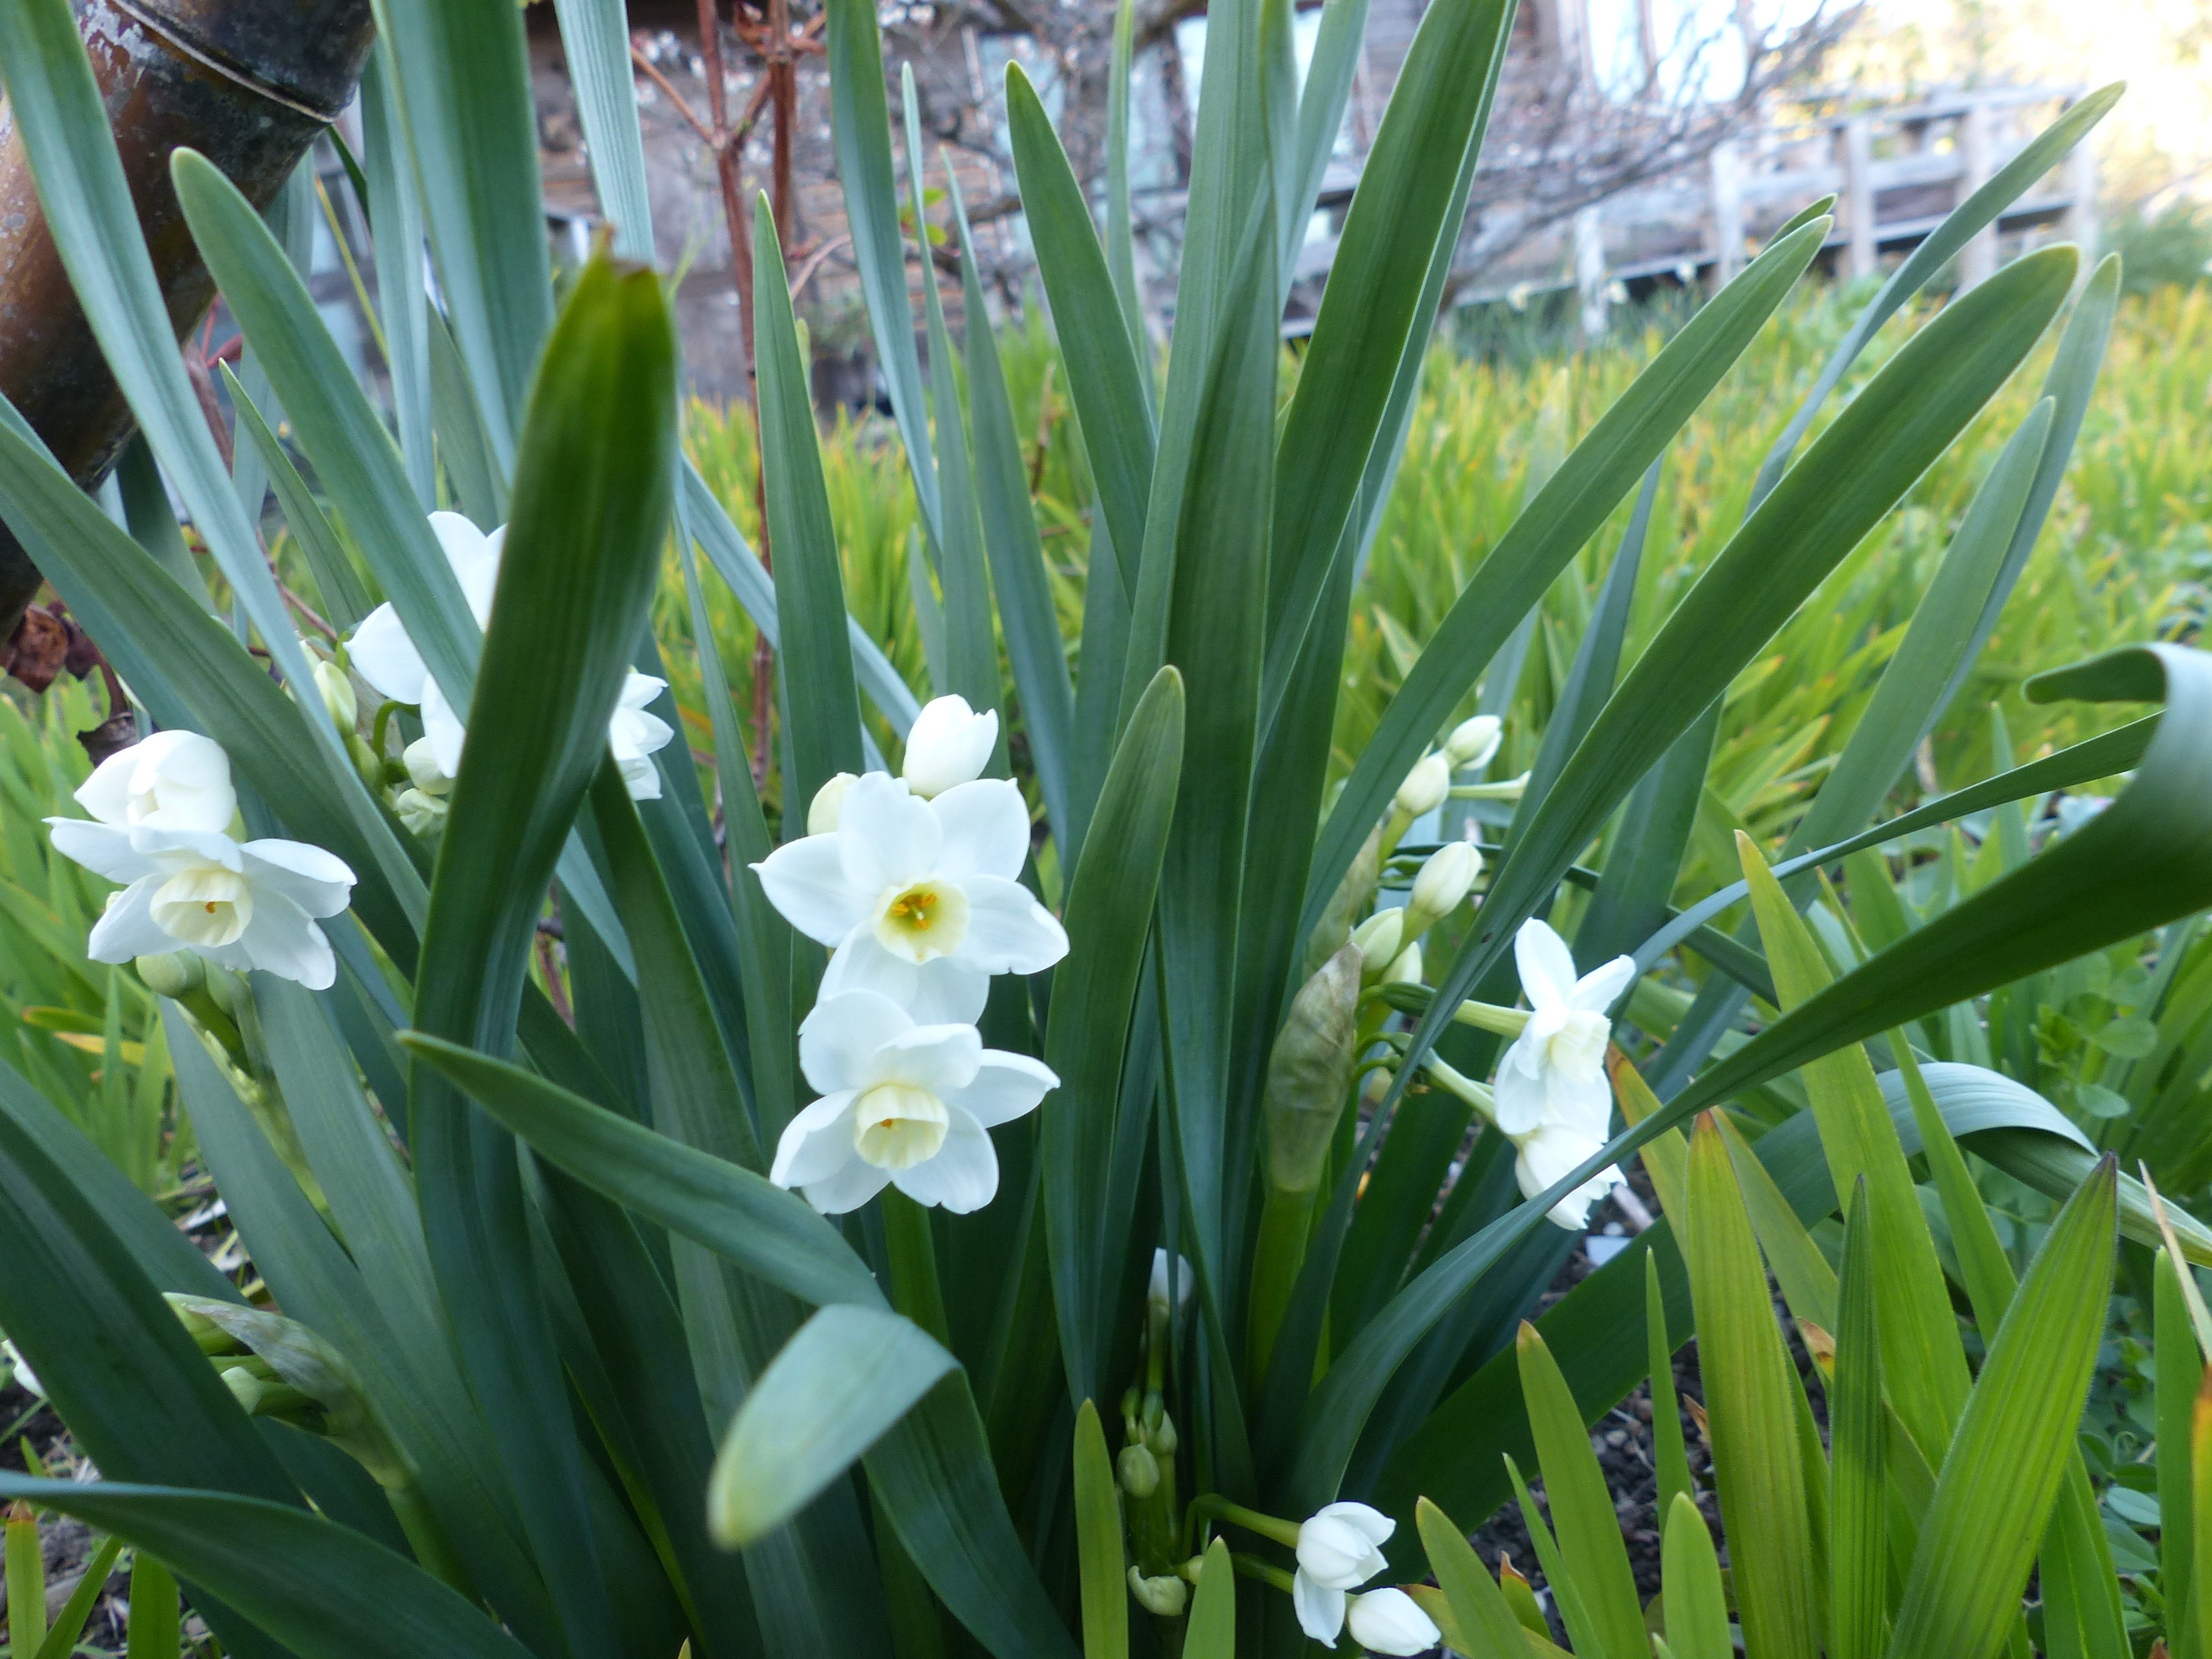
column 250, row 83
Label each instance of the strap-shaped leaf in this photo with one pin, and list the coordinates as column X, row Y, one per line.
column 1100, row 1554
column 1109, row 909
column 2003, row 1467
column 1858, row 1541
column 1591, row 1547
column 837, row 1387
column 402, row 300
column 323, row 1590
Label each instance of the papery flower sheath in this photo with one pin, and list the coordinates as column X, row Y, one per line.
column 902, row 1104
column 384, row 655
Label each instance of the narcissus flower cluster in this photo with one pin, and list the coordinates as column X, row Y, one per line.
column 914, row 880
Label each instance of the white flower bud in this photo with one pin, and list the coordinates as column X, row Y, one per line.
column 1338, row 1547
column 171, row 780
column 1405, row 967
column 1442, row 881
column 1379, row 939
column 949, row 744
column 423, row 814
column 1472, row 742
column 828, row 804
column 1156, row 1295
column 1425, row 786
column 336, row 688
column 1166, row 1595
column 1390, row 1622
column 421, row 762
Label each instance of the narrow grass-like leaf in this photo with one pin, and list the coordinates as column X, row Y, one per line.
column 1105, row 378
column 1670, row 1457
column 160, row 1596
column 1109, row 910
column 1548, row 532
column 849, row 1373
column 1479, row 1606
column 345, row 597
column 1099, row 1554
column 464, row 92
column 1590, row 1542
column 1696, row 1600
column 819, row 701
column 1212, row 1632
column 322, row 1589
column 1858, row 1557
column 1748, row 1384
column 402, row 300
column 2003, row 1467
column 731, row 1210
column 2179, row 1375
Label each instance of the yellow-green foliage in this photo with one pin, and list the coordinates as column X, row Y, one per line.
column 2126, row 555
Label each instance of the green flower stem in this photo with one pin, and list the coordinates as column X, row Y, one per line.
column 1508, row 789
column 1212, row 1505
column 426, row 1536
column 1266, row 1572
column 915, row 1290
column 1486, row 1017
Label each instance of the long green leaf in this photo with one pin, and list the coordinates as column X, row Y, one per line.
column 849, row 1373
column 2003, row 1467
column 591, row 509
column 1099, row 1550
column 1697, row 1603
column 1859, row 1557
column 324, row 1591
column 1590, row 1542
column 1094, row 995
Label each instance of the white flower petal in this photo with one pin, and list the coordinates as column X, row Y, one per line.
column 177, row 849
column 818, row 1143
column 104, row 850
column 1008, row 931
column 1599, row 989
column 849, row 1188
column 177, row 780
column 1006, row 1087
column 1584, row 1104
column 382, row 654
column 949, row 744
column 1390, row 1621
column 1547, row 968
column 474, row 557
column 886, row 835
column 838, row 1042
column 963, row 1177
column 987, row 829
column 804, row 879
column 943, row 991
column 127, row 928
column 442, row 729
column 1550, row 1155
column 940, row 1059
column 1321, row 1610
column 318, row 882
column 280, row 939
column 1363, row 1518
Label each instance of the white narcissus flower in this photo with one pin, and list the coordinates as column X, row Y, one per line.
column 917, row 896
column 383, row 655
column 171, row 780
column 1390, row 1622
column 949, row 744
column 1554, row 1073
column 1338, row 1549
column 1550, row 1152
column 253, row 905
column 902, row 1104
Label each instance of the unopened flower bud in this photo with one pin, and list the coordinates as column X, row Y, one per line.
column 26, row 1379
column 423, row 769
column 1442, row 881
column 1425, row 786
column 1168, row 1596
column 1405, row 967
column 1138, row 1470
column 1390, row 1622
column 422, row 814
column 828, row 803
column 1378, row 940
column 1472, row 742
column 208, row 1336
column 171, row 976
column 1310, row 1072
column 1161, row 1439
column 1156, row 1294
column 336, row 688
column 949, row 744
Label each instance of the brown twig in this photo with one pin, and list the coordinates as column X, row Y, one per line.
column 1044, row 427
column 814, row 263
column 682, row 104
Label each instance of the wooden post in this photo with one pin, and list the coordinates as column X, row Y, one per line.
column 1977, row 260
column 1728, row 209
column 1858, row 197
column 1589, row 270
